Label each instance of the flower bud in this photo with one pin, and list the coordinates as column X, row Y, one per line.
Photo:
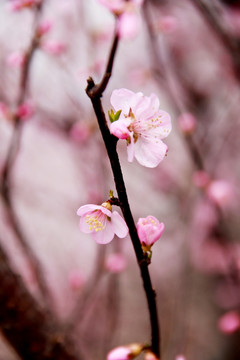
column 149, row 230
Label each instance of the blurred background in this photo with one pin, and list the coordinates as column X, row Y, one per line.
column 53, row 160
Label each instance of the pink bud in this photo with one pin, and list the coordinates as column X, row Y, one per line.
column 149, row 230
column 220, row 192
column 229, row 322
column 76, row 279
column 187, row 123
column 115, row 263
column 16, row 59
column 201, row 178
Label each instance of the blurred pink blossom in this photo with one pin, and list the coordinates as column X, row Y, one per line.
column 119, row 353
column 201, row 178
column 149, row 355
column 115, row 263
column 17, row 5
column 167, row 24
column 4, row 111
column 229, row 322
column 25, row 110
column 44, row 27
column 54, row 47
column 187, row 123
column 220, row 192
column 101, row 222
column 125, row 352
column 180, row 357
column 149, row 230
column 118, row 6
column 76, row 279
column 128, row 25
column 16, row 59
column 142, row 124
column 80, row 132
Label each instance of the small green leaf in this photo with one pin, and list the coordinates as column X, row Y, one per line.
column 114, row 116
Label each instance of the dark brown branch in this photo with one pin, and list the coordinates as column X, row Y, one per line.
column 33, row 333
column 110, row 143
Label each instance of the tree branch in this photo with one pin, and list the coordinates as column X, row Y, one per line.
column 33, row 333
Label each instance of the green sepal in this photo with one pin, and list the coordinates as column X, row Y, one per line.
column 114, row 116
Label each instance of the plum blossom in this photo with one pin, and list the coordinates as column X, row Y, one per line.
column 149, row 230
column 187, row 123
column 115, row 263
column 229, row 322
column 101, row 222
column 142, row 124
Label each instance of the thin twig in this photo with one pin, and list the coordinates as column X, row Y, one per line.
column 9, row 163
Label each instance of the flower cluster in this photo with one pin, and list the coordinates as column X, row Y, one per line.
column 142, row 124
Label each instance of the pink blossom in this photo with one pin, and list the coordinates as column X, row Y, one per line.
column 4, row 111
column 76, row 279
column 125, row 352
column 168, row 24
column 17, row 5
column 25, row 110
column 128, row 25
column 119, row 353
column 180, row 357
column 149, row 230
column 229, row 322
column 118, row 6
column 220, row 192
column 115, row 263
column 16, row 59
column 142, row 124
column 80, row 132
column 149, row 355
column 187, row 123
column 53, row 47
column 44, row 27
column 101, row 222
column 201, row 178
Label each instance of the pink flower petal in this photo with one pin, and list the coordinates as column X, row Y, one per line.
column 104, row 236
column 150, row 154
column 119, row 226
column 91, row 207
